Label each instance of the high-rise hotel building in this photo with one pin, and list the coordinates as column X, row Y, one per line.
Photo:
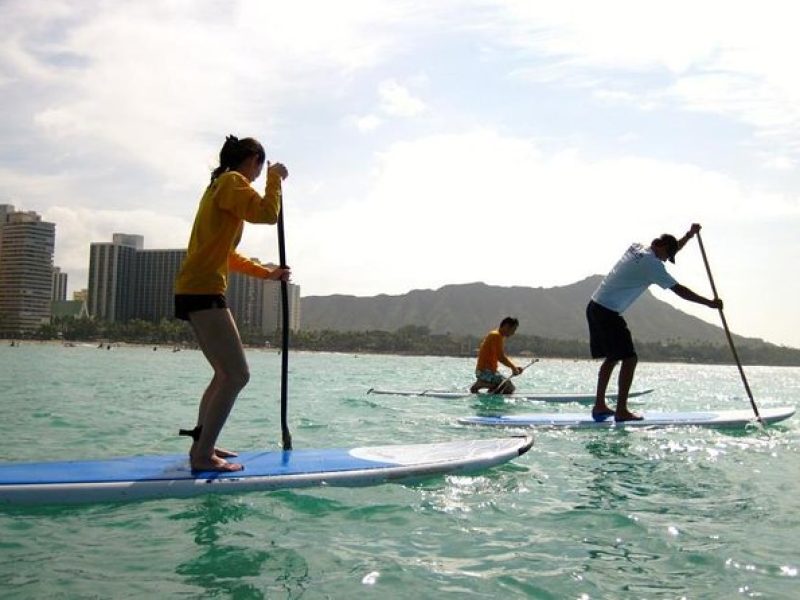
column 128, row 282
column 256, row 303
column 59, row 285
column 110, row 284
column 26, row 270
column 154, row 283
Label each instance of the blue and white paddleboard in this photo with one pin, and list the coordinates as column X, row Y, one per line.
column 710, row 418
column 554, row 397
column 145, row 477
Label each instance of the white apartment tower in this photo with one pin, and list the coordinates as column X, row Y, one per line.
column 256, row 304
column 26, row 270
column 272, row 312
column 128, row 282
column 110, row 278
column 59, row 285
column 153, row 290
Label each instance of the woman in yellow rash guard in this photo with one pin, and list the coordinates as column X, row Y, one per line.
column 229, row 201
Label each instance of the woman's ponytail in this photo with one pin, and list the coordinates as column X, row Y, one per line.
column 234, row 152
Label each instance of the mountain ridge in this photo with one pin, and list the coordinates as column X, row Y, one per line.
column 475, row 308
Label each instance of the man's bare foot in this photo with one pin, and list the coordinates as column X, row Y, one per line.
column 627, row 416
column 216, row 464
column 222, row 453
column 602, row 413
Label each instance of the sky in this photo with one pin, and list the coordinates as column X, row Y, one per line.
column 512, row 142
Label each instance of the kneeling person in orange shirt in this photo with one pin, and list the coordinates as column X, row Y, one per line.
column 490, row 354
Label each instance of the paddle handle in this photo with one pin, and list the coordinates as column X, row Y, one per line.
column 727, row 330
column 507, row 379
column 287, row 437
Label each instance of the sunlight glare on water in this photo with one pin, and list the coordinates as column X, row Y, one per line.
column 677, row 512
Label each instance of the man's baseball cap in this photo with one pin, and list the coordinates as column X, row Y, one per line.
column 671, row 244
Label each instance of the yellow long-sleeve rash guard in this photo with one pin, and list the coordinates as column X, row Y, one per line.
column 226, row 204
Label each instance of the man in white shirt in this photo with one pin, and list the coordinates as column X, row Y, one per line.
column 609, row 336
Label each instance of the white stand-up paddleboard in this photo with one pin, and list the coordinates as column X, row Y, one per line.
column 145, row 477
column 710, row 418
column 554, row 397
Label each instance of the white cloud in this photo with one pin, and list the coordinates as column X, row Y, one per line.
column 480, row 206
column 778, row 162
column 367, row 122
column 114, row 112
column 76, row 227
column 158, row 84
column 735, row 60
column 397, row 101
column 351, row 34
column 626, row 34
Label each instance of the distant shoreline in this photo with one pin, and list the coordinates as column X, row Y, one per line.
column 114, row 344
column 519, row 357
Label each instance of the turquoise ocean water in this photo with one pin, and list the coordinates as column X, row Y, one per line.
column 674, row 513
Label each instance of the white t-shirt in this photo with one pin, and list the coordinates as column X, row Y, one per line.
column 638, row 268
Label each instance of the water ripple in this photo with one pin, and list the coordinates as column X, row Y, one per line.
column 681, row 512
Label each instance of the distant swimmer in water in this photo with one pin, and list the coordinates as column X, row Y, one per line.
column 492, row 352
column 609, row 336
column 228, row 201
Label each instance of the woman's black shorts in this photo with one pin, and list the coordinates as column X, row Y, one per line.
column 189, row 303
column 609, row 336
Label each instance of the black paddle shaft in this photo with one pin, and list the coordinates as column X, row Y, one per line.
column 287, row 437
column 728, row 331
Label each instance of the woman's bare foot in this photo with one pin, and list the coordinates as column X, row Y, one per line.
column 222, row 453
column 218, row 452
column 195, row 435
column 215, row 464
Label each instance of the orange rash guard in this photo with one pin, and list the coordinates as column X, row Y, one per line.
column 491, row 352
column 227, row 203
